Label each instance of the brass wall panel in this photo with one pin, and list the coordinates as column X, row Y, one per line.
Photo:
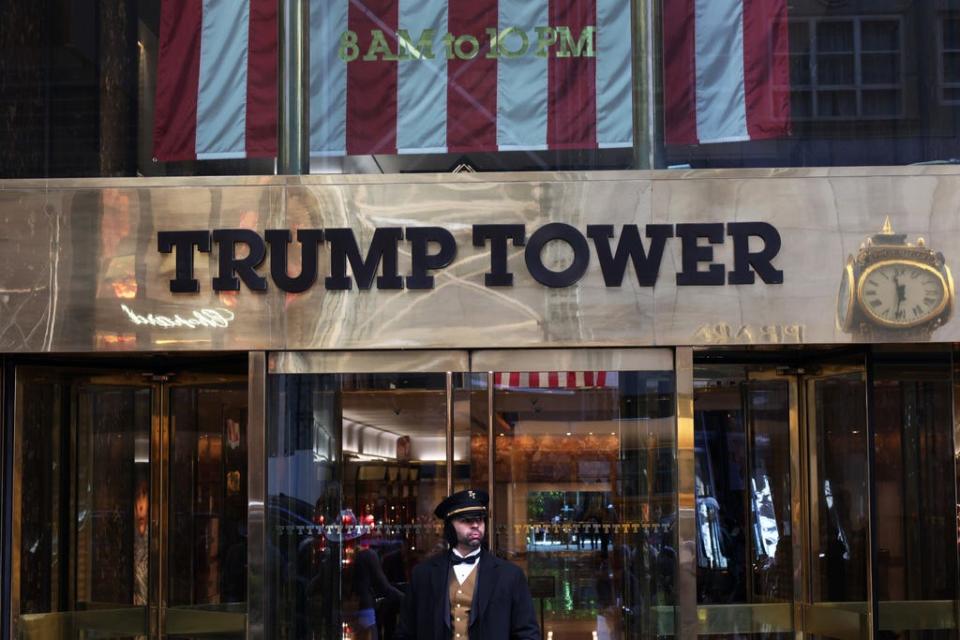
column 368, row 362
column 686, row 590
column 80, row 271
column 572, row 360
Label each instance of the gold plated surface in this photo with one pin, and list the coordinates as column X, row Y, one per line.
column 368, row 362
column 686, row 591
column 572, row 360
column 81, row 272
column 257, row 591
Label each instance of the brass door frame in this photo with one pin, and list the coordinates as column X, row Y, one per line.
column 694, row 620
column 812, row 614
column 186, row 620
column 55, row 621
column 799, row 493
column 257, row 594
column 160, row 386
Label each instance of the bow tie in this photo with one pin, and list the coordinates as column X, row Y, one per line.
column 455, row 559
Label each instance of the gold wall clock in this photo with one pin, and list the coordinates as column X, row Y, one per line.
column 894, row 290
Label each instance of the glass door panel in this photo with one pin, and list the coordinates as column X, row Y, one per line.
column 130, row 505
column 745, row 424
column 356, row 465
column 81, row 483
column 584, row 497
column 916, row 505
column 839, row 503
column 205, row 533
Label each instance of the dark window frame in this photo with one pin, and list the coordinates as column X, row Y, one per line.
column 943, row 85
column 815, row 88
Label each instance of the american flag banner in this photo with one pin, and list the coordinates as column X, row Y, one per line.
column 555, row 379
column 726, row 70
column 433, row 76
column 216, row 80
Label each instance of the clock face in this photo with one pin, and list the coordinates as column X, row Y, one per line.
column 902, row 294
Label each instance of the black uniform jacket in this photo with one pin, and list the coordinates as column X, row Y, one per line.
column 502, row 608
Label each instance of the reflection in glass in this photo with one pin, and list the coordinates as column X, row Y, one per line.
column 79, row 99
column 207, row 565
column 840, row 500
column 743, row 467
column 868, row 83
column 356, row 465
column 83, row 503
column 584, row 496
column 916, row 496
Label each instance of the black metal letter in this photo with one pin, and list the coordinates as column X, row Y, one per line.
column 182, row 243
column 692, row 254
column 420, row 238
column 646, row 266
column 383, row 247
column 231, row 266
column 279, row 241
column 744, row 259
column 565, row 233
column 498, row 234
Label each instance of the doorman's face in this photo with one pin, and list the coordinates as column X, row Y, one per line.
column 469, row 530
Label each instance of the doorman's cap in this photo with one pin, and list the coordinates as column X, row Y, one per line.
column 472, row 502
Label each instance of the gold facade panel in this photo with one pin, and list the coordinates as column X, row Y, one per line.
column 82, row 271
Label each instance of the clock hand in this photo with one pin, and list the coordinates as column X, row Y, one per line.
column 901, row 291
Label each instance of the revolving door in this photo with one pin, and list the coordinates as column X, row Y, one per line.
column 825, row 495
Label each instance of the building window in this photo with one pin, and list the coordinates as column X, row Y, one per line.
column 950, row 59
column 849, row 68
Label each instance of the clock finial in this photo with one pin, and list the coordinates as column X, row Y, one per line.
column 887, row 236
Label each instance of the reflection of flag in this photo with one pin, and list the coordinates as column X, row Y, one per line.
column 726, row 70
column 555, row 379
column 216, row 80
column 489, row 75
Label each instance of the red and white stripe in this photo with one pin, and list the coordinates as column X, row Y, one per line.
column 216, row 80
column 555, row 379
column 492, row 101
column 726, row 70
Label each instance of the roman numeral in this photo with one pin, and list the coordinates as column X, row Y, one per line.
column 875, row 303
column 917, row 310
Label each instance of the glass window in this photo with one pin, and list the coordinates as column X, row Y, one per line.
column 438, row 86
column 133, row 89
column 95, row 89
column 950, row 59
column 584, row 497
column 811, row 84
column 355, row 466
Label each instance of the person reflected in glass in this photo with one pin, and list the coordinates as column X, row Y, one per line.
column 375, row 595
column 467, row 592
column 370, row 584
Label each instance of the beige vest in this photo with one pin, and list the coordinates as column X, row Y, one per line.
column 461, row 596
